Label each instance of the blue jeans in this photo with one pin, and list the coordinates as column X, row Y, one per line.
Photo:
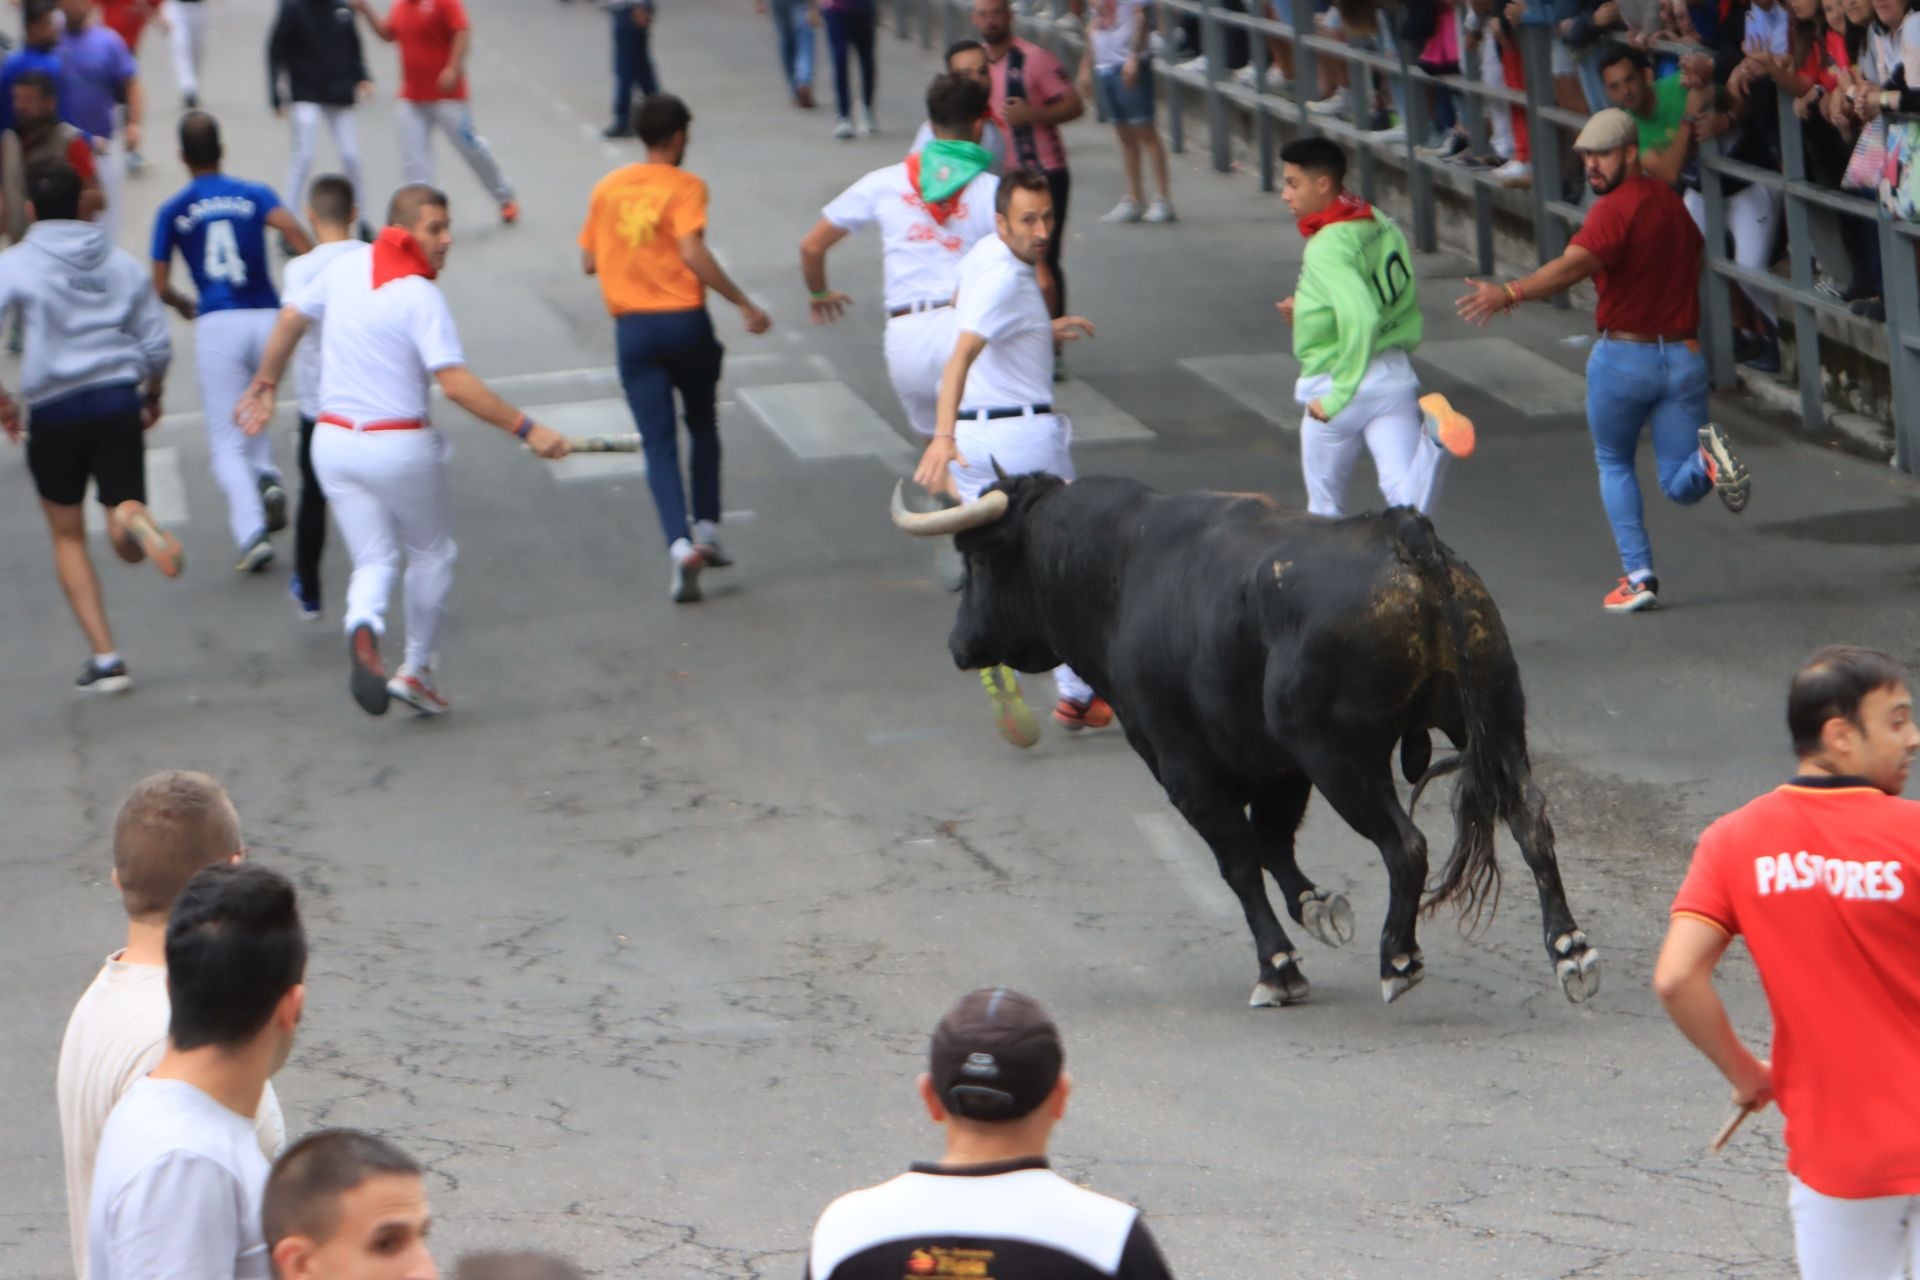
column 632, row 64
column 851, row 29
column 1630, row 385
column 661, row 352
column 796, row 41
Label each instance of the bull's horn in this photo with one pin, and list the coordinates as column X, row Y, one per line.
column 998, row 471
column 984, row 509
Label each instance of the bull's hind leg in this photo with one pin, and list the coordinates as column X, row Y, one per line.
column 1221, row 820
column 1276, row 812
column 1575, row 963
column 1359, row 786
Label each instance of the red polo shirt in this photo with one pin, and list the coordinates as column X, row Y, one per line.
column 424, row 30
column 1822, row 878
column 1649, row 253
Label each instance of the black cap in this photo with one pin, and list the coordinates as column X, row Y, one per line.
column 995, row 1056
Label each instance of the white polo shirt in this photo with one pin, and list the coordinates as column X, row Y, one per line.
column 379, row 348
column 920, row 257
column 1001, row 301
column 301, row 272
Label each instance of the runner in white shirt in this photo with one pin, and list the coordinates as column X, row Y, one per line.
column 996, row 406
column 388, row 337
column 930, row 209
column 969, row 58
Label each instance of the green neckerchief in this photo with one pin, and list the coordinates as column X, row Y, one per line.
column 947, row 165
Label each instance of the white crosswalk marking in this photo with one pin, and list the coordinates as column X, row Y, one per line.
column 166, row 493
column 589, row 418
column 1263, row 382
column 1191, row 863
column 1096, row 419
column 823, row 420
column 1500, row 367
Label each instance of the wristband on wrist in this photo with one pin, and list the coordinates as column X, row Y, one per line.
column 524, row 427
column 821, row 295
column 1514, row 292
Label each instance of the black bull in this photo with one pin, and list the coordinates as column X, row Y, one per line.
column 1252, row 657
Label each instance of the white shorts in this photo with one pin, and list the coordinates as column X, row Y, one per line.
column 918, row 347
column 1839, row 1239
column 1036, row 442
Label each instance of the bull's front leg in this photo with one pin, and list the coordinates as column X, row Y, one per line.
column 1575, row 962
column 1222, row 822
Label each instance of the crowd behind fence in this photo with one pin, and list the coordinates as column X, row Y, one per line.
column 1276, row 60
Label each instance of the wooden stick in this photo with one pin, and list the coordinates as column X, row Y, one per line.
column 1727, row 1130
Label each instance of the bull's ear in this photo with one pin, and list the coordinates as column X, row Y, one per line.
column 998, row 472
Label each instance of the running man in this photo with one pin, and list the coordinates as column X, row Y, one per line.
column 96, row 359
column 434, row 38
column 101, row 95
column 1355, row 319
column 315, row 48
column 388, row 335
column 969, row 58
column 186, row 25
column 931, row 209
column 219, row 225
column 1642, row 252
column 996, row 407
column 332, row 215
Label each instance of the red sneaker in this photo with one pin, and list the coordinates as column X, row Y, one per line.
column 1075, row 716
column 1632, row 597
column 415, row 688
column 510, row 211
column 367, row 675
column 1446, row 426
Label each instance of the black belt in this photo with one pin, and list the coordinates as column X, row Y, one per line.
column 1019, row 411
column 914, row 307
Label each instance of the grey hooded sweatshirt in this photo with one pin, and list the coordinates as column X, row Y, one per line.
column 92, row 317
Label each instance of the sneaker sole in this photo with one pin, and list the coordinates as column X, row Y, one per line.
column 1074, row 724
column 1011, row 714
column 274, row 499
column 1452, row 430
column 254, row 561
column 159, row 546
column 687, row 590
column 400, row 693
column 1731, row 481
column 369, row 686
column 1639, row 604
column 715, row 558
column 105, row 685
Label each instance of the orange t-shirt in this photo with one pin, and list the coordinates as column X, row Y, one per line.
column 1822, row 878
column 635, row 219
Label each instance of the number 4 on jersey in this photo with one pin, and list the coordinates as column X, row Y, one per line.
column 223, row 260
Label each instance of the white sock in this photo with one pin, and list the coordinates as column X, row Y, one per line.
column 706, row 532
column 101, row 661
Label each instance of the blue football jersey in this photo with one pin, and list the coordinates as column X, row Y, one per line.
column 219, row 225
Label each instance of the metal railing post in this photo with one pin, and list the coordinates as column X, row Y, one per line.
column 1360, row 98
column 1536, row 58
column 1175, row 94
column 1213, row 43
column 1474, row 111
column 949, row 23
column 1306, row 64
column 1426, row 236
column 926, row 26
column 902, row 20
column 1716, row 302
column 1901, row 289
column 1260, row 58
column 1806, row 321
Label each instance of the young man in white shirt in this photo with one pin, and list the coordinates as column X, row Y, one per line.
column 388, row 335
column 996, row 406
column 170, row 826
column 346, row 1205
column 930, row 210
column 179, row 1175
column 969, row 58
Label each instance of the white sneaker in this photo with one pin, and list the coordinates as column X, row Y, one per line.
column 1334, row 104
column 1159, row 211
column 1393, row 133
column 1128, row 210
column 1244, row 76
column 1276, row 81
column 687, row 564
column 1196, row 65
column 866, row 125
column 1156, row 44
column 1514, row 173
column 415, row 688
column 1068, row 21
column 843, row 128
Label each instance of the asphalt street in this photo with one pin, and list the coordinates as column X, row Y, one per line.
column 639, row 948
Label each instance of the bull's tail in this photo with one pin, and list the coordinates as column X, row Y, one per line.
column 1487, row 789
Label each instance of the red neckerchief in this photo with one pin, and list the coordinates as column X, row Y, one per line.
column 1346, row 207
column 397, row 255
column 944, row 209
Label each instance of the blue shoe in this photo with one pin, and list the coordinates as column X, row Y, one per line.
column 309, row 606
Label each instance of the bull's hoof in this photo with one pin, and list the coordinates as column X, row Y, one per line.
column 1405, row 975
column 1327, row 917
column 1285, row 985
column 1578, row 966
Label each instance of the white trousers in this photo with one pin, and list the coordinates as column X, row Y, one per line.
column 342, row 124
column 917, row 348
column 1838, row 1239
column 388, row 494
column 227, row 347
column 1383, row 417
column 1752, row 217
column 418, row 120
column 1499, row 118
column 189, row 37
column 110, row 162
column 1041, row 442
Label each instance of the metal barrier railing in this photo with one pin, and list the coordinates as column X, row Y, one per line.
column 1550, row 128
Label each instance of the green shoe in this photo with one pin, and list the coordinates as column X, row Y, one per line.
column 1010, row 711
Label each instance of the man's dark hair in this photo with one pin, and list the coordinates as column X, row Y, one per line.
column 1831, row 683
column 1621, row 53
column 404, row 209
column 1316, row 155
column 38, row 80
column 37, row 11
column 955, row 101
column 1019, row 180
column 234, row 948
column 303, row 1191
column 658, row 117
column 171, row 825
column 331, row 199
column 200, row 140
column 53, row 189
column 961, row 46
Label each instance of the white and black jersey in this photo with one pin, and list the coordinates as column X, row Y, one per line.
column 1014, row 1220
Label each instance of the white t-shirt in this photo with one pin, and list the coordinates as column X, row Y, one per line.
column 306, row 357
column 920, row 257
column 117, row 1034
column 992, row 137
column 176, row 1192
column 379, row 348
column 1110, row 26
column 1001, row 301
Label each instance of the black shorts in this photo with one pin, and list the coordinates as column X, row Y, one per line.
column 94, row 434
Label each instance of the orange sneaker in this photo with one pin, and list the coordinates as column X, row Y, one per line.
column 160, row 546
column 1632, row 597
column 1446, row 426
column 1074, row 716
column 510, row 211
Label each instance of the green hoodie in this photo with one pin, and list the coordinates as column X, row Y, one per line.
column 1355, row 299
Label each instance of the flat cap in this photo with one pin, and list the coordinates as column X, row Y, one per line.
column 1608, row 130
